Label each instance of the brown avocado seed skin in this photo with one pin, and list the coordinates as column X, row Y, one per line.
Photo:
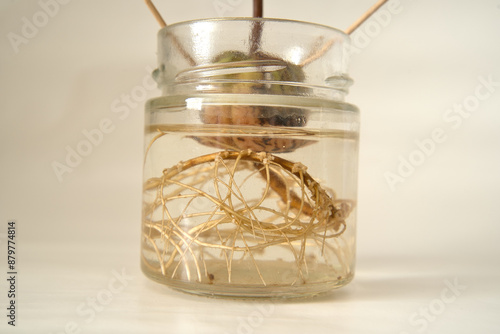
column 257, row 81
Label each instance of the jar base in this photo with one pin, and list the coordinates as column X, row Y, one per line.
column 249, row 291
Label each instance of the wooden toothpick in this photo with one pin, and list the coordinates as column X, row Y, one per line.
column 156, row 14
column 258, row 8
column 163, row 24
column 365, row 16
column 257, row 26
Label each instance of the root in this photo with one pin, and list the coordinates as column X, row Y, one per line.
column 257, row 201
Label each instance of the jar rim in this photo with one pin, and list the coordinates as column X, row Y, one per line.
column 255, row 19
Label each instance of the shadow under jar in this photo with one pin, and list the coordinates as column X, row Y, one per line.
column 250, row 169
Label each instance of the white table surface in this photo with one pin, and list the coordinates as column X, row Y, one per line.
column 66, row 286
column 440, row 227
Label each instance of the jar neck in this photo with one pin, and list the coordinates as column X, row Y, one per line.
column 292, row 58
column 255, row 79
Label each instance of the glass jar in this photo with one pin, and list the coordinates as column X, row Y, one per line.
column 250, row 168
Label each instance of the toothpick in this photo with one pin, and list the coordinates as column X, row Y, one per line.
column 365, row 16
column 258, row 8
column 317, row 53
column 257, row 26
column 156, row 14
column 163, row 24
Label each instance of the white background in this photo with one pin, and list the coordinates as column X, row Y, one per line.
column 438, row 227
